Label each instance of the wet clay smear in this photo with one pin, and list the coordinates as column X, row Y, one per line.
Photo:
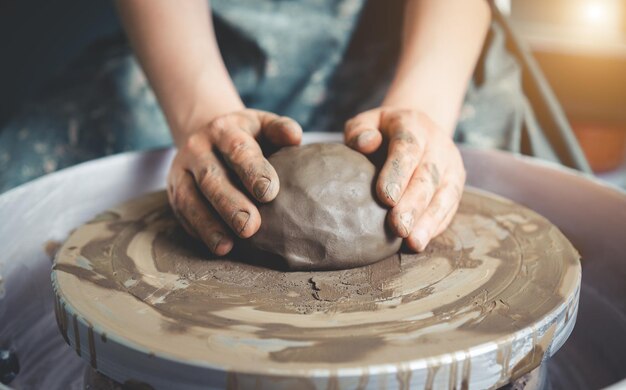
column 135, row 274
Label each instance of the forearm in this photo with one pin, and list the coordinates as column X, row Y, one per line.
column 176, row 46
column 442, row 40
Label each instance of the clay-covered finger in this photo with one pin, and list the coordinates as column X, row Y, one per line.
column 196, row 218
column 243, row 155
column 233, row 206
column 176, row 194
column 448, row 219
column 404, row 153
column 418, row 195
column 457, row 184
column 281, row 130
column 444, row 203
column 362, row 132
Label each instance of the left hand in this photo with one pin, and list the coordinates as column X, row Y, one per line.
column 423, row 176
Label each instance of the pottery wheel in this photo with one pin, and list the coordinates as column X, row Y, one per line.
column 485, row 303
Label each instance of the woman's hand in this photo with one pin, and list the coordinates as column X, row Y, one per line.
column 219, row 168
column 423, row 176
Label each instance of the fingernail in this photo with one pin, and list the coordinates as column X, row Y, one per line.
column 214, row 240
column 393, row 192
column 421, row 238
column 365, row 138
column 240, row 220
column 292, row 126
column 406, row 223
column 260, row 187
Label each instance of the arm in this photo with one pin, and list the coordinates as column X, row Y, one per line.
column 177, row 49
column 422, row 179
column 214, row 133
column 441, row 43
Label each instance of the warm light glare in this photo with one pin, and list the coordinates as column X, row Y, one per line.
column 597, row 19
column 595, row 12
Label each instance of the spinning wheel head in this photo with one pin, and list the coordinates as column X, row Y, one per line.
column 485, row 303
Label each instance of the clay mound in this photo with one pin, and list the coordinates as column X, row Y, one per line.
column 326, row 215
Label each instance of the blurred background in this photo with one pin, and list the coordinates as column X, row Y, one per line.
column 580, row 46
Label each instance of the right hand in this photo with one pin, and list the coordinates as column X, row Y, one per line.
column 206, row 198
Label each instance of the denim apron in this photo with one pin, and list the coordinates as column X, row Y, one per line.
column 317, row 61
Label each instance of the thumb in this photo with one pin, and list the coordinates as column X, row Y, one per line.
column 280, row 130
column 361, row 132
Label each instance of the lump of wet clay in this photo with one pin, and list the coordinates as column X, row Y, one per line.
column 326, row 216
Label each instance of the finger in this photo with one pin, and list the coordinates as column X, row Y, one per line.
column 457, row 186
column 444, row 203
column 280, row 130
column 361, row 132
column 234, row 207
column 243, row 155
column 446, row 222
column 196, row 218
column 403, row 131
column 174, row 196
column 418, row 195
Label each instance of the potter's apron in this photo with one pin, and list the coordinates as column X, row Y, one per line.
column 319, row 62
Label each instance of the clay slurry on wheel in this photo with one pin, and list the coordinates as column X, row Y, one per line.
column 326, row 215
column 498, row 273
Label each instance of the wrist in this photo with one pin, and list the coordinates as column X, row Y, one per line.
column 443, row 112
column 204, row 106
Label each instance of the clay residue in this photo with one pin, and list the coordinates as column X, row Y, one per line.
column 51, row 248
column 241, row 282
column 332, row 350
column 536, row 355
column 497, row 269
column 363, row 285
column 105, row 217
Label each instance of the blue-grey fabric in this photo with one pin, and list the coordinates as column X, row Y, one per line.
column 317, row 61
